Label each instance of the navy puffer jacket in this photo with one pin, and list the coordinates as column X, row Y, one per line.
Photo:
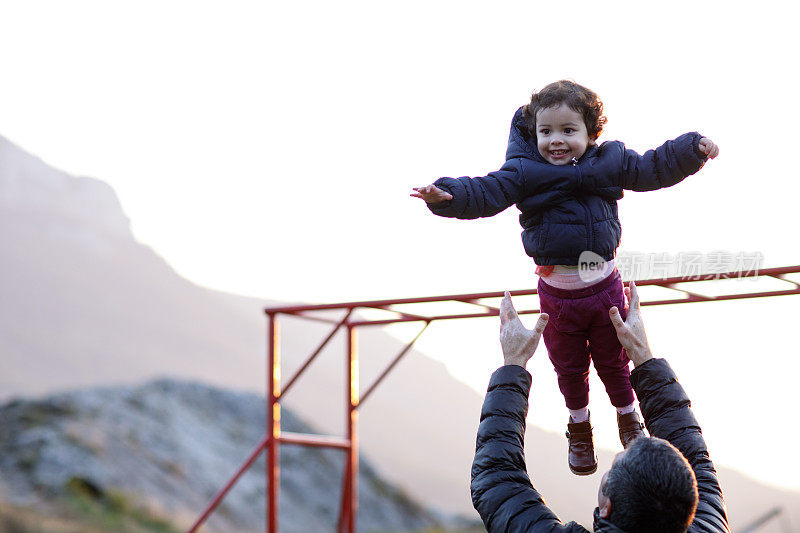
column 566, row 210
column 502, row 492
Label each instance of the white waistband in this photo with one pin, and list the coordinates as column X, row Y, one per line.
column 571, row 277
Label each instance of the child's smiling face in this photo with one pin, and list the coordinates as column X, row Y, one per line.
column 561, row 134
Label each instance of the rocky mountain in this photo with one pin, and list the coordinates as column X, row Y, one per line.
column 165, row 445
column 83, row 304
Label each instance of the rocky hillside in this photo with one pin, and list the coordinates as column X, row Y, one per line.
column 164, row 447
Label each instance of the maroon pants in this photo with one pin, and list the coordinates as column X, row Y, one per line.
column 580, row 330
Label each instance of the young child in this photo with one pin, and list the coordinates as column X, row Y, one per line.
column 567, row 187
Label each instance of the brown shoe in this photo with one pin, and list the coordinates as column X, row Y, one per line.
column 581, row 457
column 630, row 428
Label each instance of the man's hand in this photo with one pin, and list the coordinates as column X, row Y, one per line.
column 431, row 194
column 518, row 342
column 631, row 332
column 708, row 147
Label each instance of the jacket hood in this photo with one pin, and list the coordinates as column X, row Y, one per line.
column 521, row 144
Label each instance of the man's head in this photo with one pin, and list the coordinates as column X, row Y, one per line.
column 650, row 488
column 564, row 118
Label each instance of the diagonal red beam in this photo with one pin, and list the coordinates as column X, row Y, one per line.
column 401, row 313
column 308, row 316
column 389, row 368
column 485, row 306
column 783, row 277
column 696, row 297
column 224, row 491
column 314, row 355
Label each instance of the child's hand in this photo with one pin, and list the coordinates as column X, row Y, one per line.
column 708, row 147
column 431, row 194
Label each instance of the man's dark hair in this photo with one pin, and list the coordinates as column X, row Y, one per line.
column 652, row 488
column 580, row 99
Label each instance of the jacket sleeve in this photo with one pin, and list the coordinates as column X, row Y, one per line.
column 667, row 415
column 665, row 166
column 501, row 490
column 615, row 167
column 488, row 195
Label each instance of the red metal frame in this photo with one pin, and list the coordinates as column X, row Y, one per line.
column 349, row 503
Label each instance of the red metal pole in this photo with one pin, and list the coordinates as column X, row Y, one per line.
column 469, row 298
column 343, row 509
column 273, row 424
column 352, row 428
column 314, row 441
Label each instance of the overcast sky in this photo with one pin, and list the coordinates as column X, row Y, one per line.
column 268, row 149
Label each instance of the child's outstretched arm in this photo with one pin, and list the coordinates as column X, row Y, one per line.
column 664, row 166
column 485, row 196
column 469, row 198
column 668, row 164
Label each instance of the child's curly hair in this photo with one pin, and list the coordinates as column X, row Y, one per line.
column 577, row 97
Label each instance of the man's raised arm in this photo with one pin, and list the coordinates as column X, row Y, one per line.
column 501, row 490
column 667, row 414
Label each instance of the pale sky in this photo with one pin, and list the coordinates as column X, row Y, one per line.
column 268, row 149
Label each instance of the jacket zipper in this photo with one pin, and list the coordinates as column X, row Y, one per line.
column 580, row 175
column 587, row 215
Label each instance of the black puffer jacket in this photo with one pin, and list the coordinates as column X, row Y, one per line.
column 566, row 210
column 502, row 492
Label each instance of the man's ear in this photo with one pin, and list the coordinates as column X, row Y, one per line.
column 605, row 506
